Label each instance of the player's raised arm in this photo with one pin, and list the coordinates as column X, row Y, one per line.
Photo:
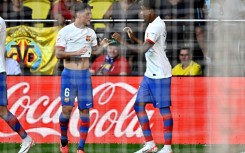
column 131, row 35
column 96, row 50
column 140, row 48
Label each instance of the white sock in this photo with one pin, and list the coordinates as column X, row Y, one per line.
column 167, row 147
column 150, row 143
column 27, row 138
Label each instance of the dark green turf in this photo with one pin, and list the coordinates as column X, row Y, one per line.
column 118, row 148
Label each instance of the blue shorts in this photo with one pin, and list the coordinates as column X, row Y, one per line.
column 76, row 83
column 3, row 90
column 155, row 91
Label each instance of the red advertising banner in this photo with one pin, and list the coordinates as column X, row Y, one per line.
column 206, row 110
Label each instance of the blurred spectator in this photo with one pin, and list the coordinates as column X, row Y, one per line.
column 123, row 9
column 98, row 11
column 174, row 9
column 12, row 67
column 3, row 4
column 126, row 9
column 199, row 14
column 85, row 1
column 186, row 66
column 111, row 63
column 41, row 10
column 182, row 33
column 15, row 10
column 62, row 11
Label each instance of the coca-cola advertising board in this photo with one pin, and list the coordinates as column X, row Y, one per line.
column 198, row 117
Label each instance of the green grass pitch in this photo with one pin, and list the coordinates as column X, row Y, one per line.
column 117, row 148
column 96, row 148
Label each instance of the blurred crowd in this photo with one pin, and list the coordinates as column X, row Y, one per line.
column 187, row 29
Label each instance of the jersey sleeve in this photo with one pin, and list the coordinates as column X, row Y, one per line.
column 61, row 39
column 2, row 32
column 2, row 26
column 152, row 34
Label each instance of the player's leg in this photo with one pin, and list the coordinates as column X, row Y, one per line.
column 160, row 92
column 85, row 102
column 168, row 129
column 10, row 119
column 64, row 122
column 67, row 94
column 146, row 130
column 15, row 125
column 83, row 128
column 143, row 97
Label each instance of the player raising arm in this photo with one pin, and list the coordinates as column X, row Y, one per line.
column 156, row 83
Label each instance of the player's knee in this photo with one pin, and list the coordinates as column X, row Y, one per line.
column 84, row 112
column 66, row 111
column 3, row 111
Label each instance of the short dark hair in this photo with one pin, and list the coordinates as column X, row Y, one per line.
column 185, row 48
column 151, row 4
column 80, row 6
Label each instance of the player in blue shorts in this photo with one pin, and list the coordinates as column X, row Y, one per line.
column 75, row 43
column 5, row 114
column 156, row 83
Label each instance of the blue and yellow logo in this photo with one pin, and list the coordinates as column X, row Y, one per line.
column 33, row 48
column 25, row 51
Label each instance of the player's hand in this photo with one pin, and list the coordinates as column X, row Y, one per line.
column 104, row 42
column 129, row 32
column 117, row 37
column 81, row 51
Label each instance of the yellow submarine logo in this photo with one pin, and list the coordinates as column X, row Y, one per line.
column 25, row 51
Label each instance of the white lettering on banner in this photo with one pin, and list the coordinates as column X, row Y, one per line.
column 19, row 103
column 114, row 118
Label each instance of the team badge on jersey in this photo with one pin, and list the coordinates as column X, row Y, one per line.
column 88, row 38
column 66, row 99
